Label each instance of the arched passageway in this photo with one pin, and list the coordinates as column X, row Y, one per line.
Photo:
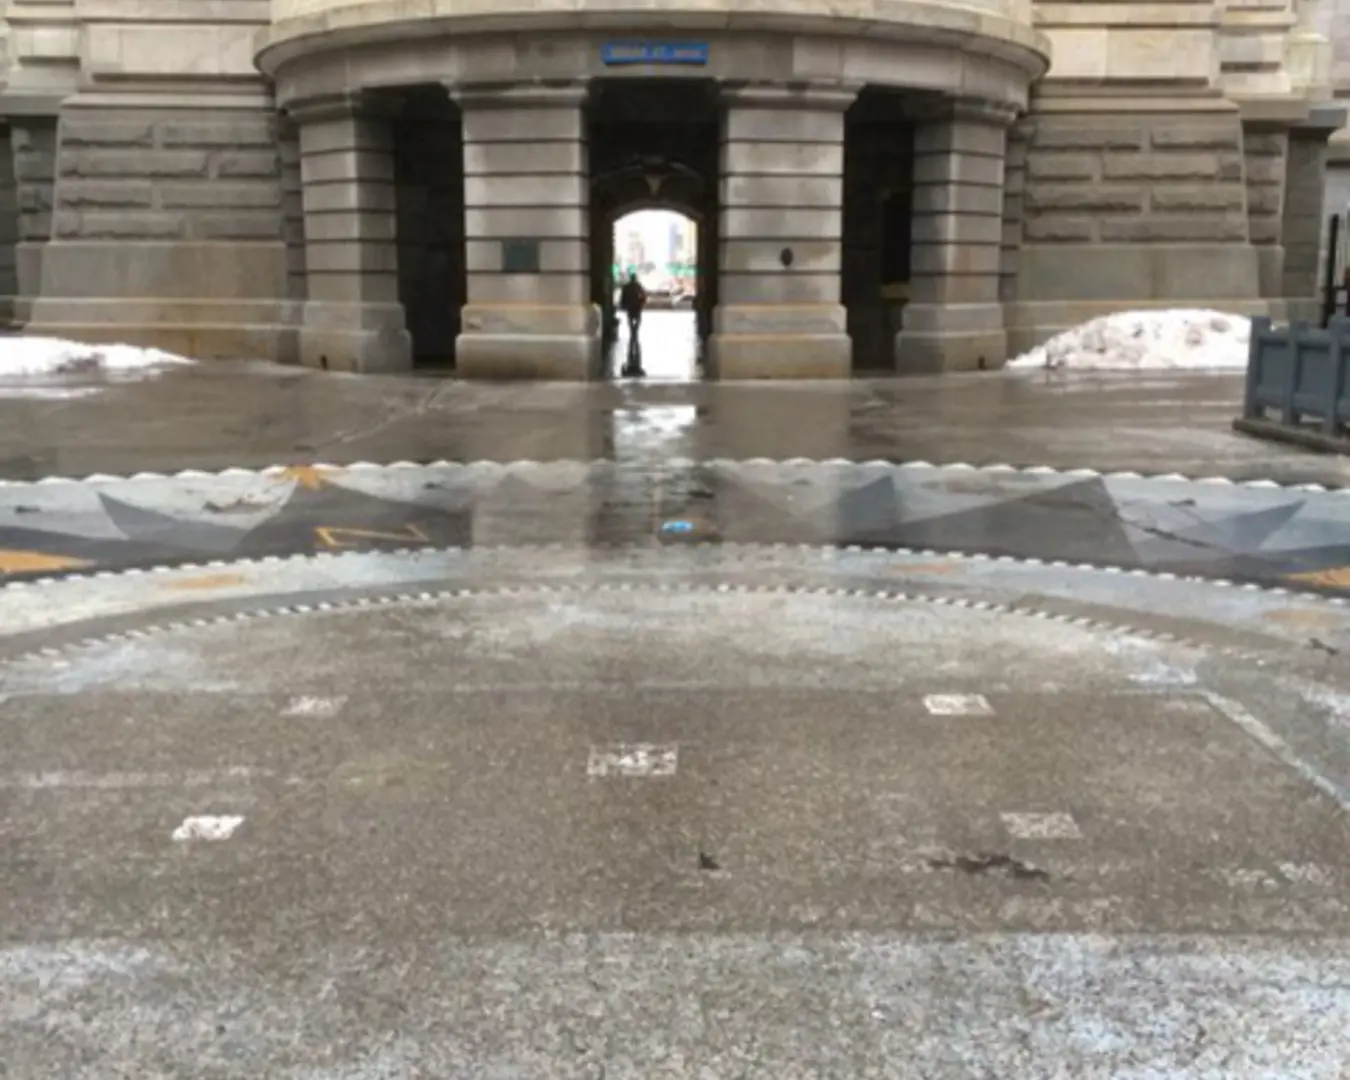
column 653, row 148
column 660, row 248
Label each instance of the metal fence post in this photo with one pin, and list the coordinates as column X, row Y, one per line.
column 1331, row 423
column 1260, row 326
column 1330, row 280
column 1297, row 329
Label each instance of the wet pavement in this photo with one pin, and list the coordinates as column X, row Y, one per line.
column 390, row 727
column 723, row 812
column 668, row 348
column 218, row 416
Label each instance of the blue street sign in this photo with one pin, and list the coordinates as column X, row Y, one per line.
column 617, row 53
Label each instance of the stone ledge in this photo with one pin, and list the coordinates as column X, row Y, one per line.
column 1006, row 35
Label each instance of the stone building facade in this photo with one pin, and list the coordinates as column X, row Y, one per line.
column 909, row 185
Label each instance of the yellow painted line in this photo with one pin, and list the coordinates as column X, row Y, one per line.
column 207, row 581
column 307, row 476
column 334, row 536
column 1334, row 577
column 25, row 562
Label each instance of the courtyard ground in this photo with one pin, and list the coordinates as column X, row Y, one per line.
column 383, row 727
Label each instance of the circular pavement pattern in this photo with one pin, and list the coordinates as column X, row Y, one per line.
column 769, row 811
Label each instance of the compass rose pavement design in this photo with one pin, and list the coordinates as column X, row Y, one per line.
column 1258, row 533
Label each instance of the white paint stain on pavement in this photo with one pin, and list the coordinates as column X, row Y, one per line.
column 208, row 827
column 633, row 759
column 1307, row 874
column 1057, row 826
column 314, row 706
column 958, row 705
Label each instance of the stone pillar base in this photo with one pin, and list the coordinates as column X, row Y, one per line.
column 369, row 352
column 920, row 353
column 780, row 356
column 779, row 341
column 364, row 338
column 557, row 357
column 529, row 341
column 951, row 337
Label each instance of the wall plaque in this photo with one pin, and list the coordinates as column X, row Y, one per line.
column 520, row 256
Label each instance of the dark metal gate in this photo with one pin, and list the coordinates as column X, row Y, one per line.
column 1336, row 269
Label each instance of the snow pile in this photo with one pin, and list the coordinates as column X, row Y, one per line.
column 54, row 356
column 1183, row 339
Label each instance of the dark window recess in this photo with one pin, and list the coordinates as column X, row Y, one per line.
column 520, row 256
column 897, row 219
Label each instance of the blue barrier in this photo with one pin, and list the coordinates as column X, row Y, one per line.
column 1301, row 371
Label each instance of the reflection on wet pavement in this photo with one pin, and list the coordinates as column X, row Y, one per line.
column 221, row 415
column 668, row 347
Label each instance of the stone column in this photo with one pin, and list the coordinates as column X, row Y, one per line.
column 293, row 234
column 1265, row 151
column 353, row 320
column 527, row 209
column 954, row 318
column 1014, row 213
column 33, row 145
column 780, row 312
column 1304, row 226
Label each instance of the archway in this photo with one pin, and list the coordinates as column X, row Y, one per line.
column 653, row 157
column 660, row 247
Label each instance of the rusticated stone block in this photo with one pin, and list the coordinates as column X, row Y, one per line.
column 1264, row 200
column 1085, row 197
column 1174, row 230
column 82, row 194
column 109, row 163
column 35, row 226
column 1051, row 136
column 1172, row 167
column 246, row 163
column 1265, row 230
column 117, row 226
column 227, row 196
column 94, row 130
column 1265, row 170
column 238, row 227
column 1197, row 199
column 1058, row 229
column 253, row 132
column 34, row 198
column 34, row 166
column 1196, row 137
column 1057, row 166
column 1262, row 143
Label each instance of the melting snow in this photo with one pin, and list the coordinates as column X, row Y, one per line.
column 55, row 356
column 1182, row 339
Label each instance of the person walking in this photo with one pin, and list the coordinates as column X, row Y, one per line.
column 632, row 299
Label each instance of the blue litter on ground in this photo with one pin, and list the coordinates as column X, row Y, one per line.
column 678, row 527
